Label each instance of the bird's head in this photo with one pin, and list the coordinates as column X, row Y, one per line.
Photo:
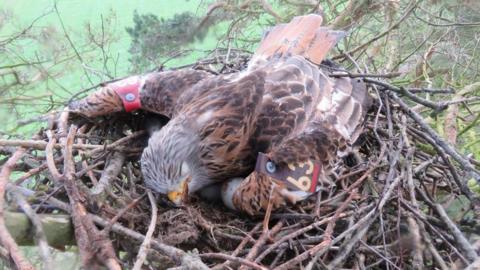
column 170, row 162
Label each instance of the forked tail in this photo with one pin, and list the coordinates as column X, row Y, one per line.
column 302, row 36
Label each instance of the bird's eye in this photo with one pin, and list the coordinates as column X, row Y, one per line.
column 185, row 169
column 270, row 166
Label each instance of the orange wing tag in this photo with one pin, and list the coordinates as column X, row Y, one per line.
column 301, row 176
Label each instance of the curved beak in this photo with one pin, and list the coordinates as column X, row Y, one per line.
column 180, row 195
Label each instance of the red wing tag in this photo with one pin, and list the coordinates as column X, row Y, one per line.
column 302, row 176
column 128, row 90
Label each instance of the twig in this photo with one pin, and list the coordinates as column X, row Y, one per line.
column 431, row 90
column 142, row 253
column 222, row 256
column 417, row 250
column 87, row 235
column 348, row 246
column 40, row 237
column 71, row 43
column 88, row 168
column 474, row 266
column 116, row 145
column 50, row 160
column 35, row 171
column 461, row 24
column 110, row 172
column 239, row 247
column 24, row 31
column 435, row 254
column 331, row 224
column 323, row 246
column 437, row 107
column 374, row 250
column 106, row 229
column 5, row 238
column 294, row 234
column 177, row 255
column 41, row 145
column 407, row 13
column 364, row 75
column 464, row 162
column 261, row 241
column 462, row 242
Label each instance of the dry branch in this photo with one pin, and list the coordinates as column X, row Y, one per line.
column 41, row 145
column 5, row 238
column 40, row 237
column 142, row 253
column 111, row 171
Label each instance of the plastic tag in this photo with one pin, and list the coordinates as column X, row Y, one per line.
column 128, row 90
column 302, row 176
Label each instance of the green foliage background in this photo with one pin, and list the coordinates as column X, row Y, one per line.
column 40, row 68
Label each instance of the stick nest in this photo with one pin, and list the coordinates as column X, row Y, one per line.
column 387, row 210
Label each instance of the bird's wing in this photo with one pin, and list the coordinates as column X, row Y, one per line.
column 292, row 89
column 221, row 111
column 306, row 116
column 163, row 89
column 336, row 121
column 156, row 92
column 349, row 104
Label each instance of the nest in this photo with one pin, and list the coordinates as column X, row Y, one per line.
column 385, row 211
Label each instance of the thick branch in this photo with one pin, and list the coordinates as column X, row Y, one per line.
column 6, row 239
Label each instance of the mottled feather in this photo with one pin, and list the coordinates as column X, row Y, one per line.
column 282, row 105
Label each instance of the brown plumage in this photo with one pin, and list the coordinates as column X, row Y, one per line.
column 282, row 105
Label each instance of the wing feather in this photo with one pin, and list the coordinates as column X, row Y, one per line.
column 162, row 89
column 222, row 110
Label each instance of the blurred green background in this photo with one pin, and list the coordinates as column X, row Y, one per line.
column 61, row 48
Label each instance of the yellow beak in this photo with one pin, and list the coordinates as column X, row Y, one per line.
column 178, row 196
column 175, row 197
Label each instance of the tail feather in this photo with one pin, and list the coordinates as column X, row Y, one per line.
column 302, row 36
column 322, row 42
